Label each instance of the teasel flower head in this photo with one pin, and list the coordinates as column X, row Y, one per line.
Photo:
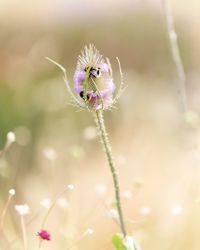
column 93, row 82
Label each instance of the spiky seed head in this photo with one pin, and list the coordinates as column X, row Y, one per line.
column 92, row 79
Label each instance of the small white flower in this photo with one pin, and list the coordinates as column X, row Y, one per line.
column 22, row 209
column 70, row 187
column 12, row 192
column 101, row 189
column 176, row 209
column 62, row 202
column 90, row 231
column 46, row 203
column 10, row 138
column 145, row 210
column 50, row 153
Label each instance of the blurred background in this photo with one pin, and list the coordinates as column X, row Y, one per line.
column 156, row 147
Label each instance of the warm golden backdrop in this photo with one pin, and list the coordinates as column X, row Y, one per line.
column 157, row 150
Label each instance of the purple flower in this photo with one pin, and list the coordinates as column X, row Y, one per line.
column 93, row 79
column 44, row 235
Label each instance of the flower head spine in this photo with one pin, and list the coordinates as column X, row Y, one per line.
column 89, row 56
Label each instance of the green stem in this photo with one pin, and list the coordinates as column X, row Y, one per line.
column 175, row 51
column 106, row 144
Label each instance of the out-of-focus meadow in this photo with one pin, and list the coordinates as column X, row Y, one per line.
column 156, row 147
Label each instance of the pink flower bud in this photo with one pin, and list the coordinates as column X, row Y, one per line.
column 44, row 235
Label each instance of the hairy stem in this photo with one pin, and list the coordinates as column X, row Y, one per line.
column 175, row 54
column 49, row 211
column 23, row 226
column 106, row 144
column 2, row 218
